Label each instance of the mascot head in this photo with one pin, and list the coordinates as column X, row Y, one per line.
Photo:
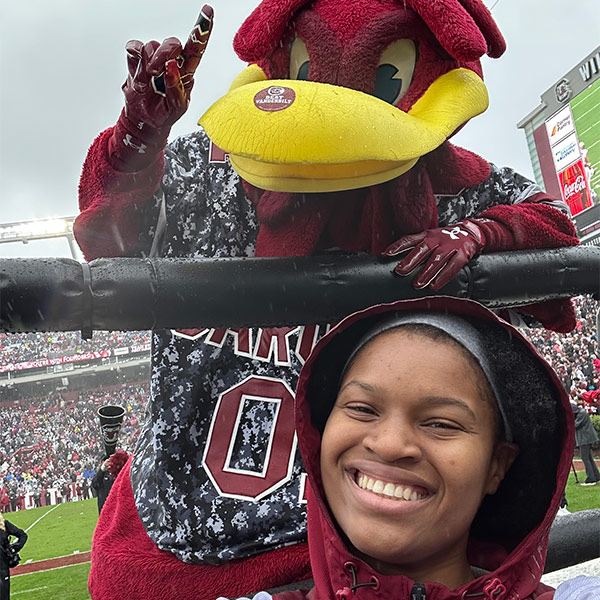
column 344, row 95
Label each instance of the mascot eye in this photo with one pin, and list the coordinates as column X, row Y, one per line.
column 395, row 71
column 299, row 60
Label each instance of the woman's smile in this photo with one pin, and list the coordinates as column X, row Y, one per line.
column 386, row 497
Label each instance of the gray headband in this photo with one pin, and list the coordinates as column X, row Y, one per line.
column 458, row 329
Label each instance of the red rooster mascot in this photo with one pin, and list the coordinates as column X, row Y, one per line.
column 337, row 141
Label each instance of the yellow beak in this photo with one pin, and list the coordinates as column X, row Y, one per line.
column 302, row 136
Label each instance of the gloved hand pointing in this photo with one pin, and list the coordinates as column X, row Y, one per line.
column 157, row 94
column 444, row 251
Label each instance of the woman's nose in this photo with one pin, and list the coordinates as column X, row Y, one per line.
column 393, row 440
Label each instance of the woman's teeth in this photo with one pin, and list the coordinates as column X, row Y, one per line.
column 390, row 490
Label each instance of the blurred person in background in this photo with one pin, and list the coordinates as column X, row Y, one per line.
column 8, row 530
column 585, row 436
column 104, row 478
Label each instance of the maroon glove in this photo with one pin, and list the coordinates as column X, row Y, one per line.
column 444, row 251
column 157, row 94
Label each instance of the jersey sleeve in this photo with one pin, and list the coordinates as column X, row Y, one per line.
column 516, row 214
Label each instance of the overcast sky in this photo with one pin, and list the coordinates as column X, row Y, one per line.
column 62, row 63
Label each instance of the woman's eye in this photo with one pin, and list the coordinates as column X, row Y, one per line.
column 395, row 71
column 360, row 410
column 443, row 425
column 299, row 60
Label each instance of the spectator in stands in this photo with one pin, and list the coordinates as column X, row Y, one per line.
column 8, row 530
column 41, row 442
column 15, row 349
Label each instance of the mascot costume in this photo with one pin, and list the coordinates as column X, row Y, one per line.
column 333, row 140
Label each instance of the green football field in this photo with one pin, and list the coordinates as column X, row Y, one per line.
column 55, row 531
column 586, row 113
column 62, row 530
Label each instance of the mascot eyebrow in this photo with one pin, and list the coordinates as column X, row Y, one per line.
column 468, row 35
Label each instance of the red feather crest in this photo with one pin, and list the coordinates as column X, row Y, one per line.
column 464, row 28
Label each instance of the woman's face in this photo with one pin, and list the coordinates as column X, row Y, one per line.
column 408, row 453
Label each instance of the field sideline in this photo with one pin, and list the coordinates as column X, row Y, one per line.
column 65, row 531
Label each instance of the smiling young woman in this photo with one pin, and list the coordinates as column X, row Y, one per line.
column 409, row 452
column 437, row 444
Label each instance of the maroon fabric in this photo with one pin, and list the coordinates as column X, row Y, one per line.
column 483, row 18
column 528, row 226
column 127, row 564
column 367, row 219
column 465, row 29
column 110, row 196
column 520, row 571
column 532, row 224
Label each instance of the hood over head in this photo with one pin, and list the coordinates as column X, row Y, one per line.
column 509, row 536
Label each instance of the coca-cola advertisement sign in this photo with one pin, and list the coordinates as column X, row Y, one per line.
column 574, row 188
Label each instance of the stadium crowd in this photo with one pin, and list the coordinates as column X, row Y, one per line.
column 34, row 346
column 53, row 442
column 574, row 356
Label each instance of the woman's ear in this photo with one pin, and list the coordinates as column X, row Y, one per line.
column 502, row 459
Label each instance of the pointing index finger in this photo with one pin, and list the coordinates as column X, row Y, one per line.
column 196, row 44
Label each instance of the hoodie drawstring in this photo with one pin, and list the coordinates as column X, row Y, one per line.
column 347, row 593
column 493, row 589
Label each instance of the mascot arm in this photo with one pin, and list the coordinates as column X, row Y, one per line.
column 112, row 202
column 534, row 223
column 124, row 165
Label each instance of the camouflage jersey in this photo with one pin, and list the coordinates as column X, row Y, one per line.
column 216, row 473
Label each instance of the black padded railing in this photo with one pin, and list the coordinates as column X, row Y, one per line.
column 139, row 294
column 574, row 539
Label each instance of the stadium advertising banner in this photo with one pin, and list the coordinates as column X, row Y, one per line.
column 49, row 362
column 64, row 362
column 569, row 156
column 565, row 132
column 574, row 187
